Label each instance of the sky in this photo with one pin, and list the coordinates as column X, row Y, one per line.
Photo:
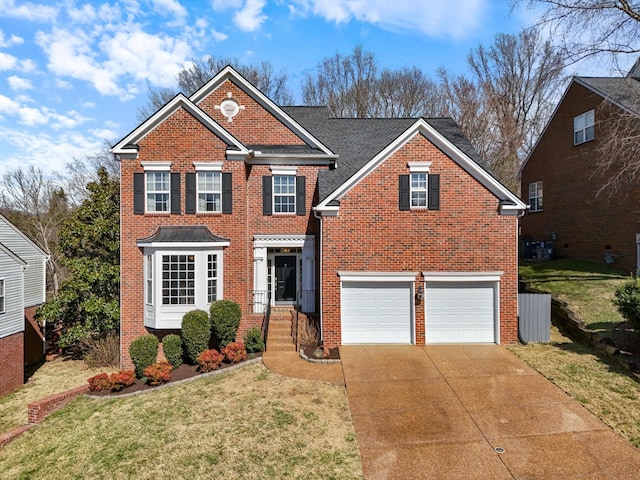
column 73, row 74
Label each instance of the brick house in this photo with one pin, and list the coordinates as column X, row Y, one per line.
column 389, row 230
column 22, row 290
column 559, row 184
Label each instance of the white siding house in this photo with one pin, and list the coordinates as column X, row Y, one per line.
column 11, row 292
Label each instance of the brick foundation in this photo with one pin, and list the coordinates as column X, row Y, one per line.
column 12, row 361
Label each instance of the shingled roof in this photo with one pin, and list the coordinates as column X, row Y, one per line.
column 358, row 140
column 622, row 91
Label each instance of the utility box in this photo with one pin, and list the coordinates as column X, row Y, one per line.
column 534, row 317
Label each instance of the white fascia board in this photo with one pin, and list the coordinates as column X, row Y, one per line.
column 24, row 236
column 347, row 276
column 282, row 241
column 182, row 245
column 259, row 158
column 13, row 256
column 327, row 210
column 453, row 152
column 179, row 101
column 229, row 73
column 462, row 276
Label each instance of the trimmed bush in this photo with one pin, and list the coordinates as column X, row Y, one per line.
column 627, row 301
column 172, row 347
column 157, row 373
column 143, row 351
column 253, row 341
column 225, row 320
column 99, row 382
column 234, row 352
column 196, row 332
column 209, row 360
column 121, row 380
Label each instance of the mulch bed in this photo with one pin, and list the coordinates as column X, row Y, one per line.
column 334, row 353
column 183, row 372
column 627, row 340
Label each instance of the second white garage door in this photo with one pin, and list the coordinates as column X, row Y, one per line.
column 460, row 312
column 376, row 312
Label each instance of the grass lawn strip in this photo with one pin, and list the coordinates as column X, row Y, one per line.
column 597, row 383
column 52, row 377
column 249, row 423
column 587, row 288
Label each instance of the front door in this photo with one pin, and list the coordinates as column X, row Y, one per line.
column 286, row 278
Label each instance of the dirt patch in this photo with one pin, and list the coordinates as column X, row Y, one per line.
column 332, row 353
column 183, row 372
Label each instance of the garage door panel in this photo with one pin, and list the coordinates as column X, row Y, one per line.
column 376, row 312
column 462, row 312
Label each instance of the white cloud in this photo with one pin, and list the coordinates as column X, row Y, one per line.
column 8, row 106
column 11, row 41
column 32, row 116
column 218, row 36
column 7, row 62
column 28, row 11
column 250, row 17
column 85, row 14
column 169, row 7
column 226, row 4
column 18, row 83
column 431, row 18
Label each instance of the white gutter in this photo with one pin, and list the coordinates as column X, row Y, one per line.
column 319, row 218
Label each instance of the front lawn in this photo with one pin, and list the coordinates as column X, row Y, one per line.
column 587, row 288
column 50, row 378
column 598, row 383
column 248, row 423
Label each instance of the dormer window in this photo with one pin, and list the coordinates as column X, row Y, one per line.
column 583, row 127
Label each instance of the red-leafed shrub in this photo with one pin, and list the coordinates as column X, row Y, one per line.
column 209, row 360
column 157, row 373
column 99, row 382
column 121, row 380
column 234, row 352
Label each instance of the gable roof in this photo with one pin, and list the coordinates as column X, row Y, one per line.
column 12, row 255
column 22, row 236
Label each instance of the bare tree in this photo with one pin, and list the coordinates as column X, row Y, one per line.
column 38, row 206
column 506, row 103
column 199, row 72
column 588, row 27
column 407, row 93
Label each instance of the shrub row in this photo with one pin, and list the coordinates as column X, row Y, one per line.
column 114, row 382
column 210, row 360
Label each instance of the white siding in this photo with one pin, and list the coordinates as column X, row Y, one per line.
column 34, row 280
column 12, row 320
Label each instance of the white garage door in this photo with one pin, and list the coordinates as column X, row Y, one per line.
column 376, row 312
column 460, row 312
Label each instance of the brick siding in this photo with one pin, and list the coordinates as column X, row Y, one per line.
column 12, row 361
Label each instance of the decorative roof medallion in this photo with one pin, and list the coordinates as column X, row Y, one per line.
column 229, row 107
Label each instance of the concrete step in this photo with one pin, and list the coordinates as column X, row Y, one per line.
column 280, row 348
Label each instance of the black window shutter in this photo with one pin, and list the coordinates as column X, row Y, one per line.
column 175, row 193
column 434, row 192
column 227, row 198
column 403, row 193
column 301, row 208
column 138, row 193
column 190, row 193
column 266, row 195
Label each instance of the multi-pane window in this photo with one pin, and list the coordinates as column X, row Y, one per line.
column 2, row 296
column 209, row 192
column 178, row 279
column 284, row 194
column 583, row 127
column 535, row 196
column 158, row 188
column 149, row 281
column 418, row 189
column 212, row 278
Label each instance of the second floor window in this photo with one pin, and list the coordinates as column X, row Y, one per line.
column 535, row 196
column 158, row 190
column 284, row 194
column 418, row 189
column 209, row 192
column 583, row 127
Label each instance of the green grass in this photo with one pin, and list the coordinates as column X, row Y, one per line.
column 51, row 377
column 587, row 288
column 249, row 423
column 598, row 383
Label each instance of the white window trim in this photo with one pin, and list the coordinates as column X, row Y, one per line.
column 283, row 170
column 3, row 295
column 273, row 194
column 219, row 210
column 584, row 129
column 419, row 167
column 156, row 166
column 208, row 166
column 216, row 277
column 538, row 207
column 346, row 276
column 146, row 192
column 149, row 282
column 425, row 190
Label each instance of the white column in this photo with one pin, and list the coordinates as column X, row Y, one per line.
column 259, row 279
column 309, row 275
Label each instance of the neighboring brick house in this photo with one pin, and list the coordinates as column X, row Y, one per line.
column 559, row 184
column 22, row 289
column 388, row 229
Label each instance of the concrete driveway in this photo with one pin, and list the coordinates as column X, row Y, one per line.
column 472, row 412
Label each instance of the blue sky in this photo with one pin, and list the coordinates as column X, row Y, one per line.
column 74, row 73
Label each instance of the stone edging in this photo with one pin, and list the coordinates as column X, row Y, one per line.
column 565, row 319
column 178, row 382
column 318, row 360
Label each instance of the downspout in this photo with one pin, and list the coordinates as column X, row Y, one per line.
column 520, row 339
column 319, row 218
